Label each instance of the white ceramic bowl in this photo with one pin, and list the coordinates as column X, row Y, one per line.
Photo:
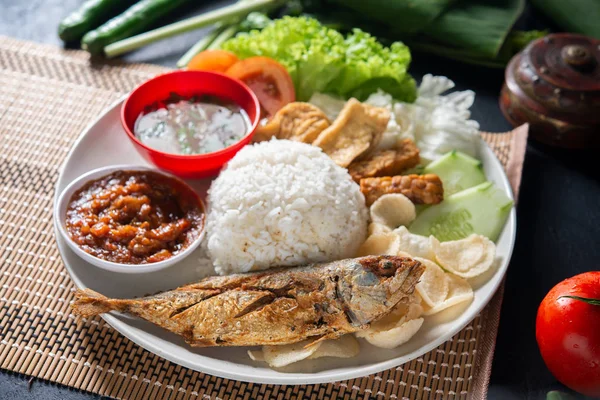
column 60, row 214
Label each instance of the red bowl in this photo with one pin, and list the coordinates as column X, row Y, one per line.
column 188, row 84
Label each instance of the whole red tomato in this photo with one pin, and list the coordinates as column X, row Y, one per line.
column 568, row 332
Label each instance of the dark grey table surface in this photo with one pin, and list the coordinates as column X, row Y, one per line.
column 558, row 212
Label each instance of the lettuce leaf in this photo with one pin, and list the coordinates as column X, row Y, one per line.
column 311, row 53
column 371, row 66
column 320, row 59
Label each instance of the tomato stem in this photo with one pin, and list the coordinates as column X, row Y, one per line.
column 594, row 302
column 556, row 395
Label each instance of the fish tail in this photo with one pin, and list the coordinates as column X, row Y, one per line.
column 89, row 303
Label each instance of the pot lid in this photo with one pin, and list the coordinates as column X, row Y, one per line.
column 559, row 76
column 567, row 61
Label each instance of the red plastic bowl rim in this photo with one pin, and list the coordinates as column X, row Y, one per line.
column 192, row 156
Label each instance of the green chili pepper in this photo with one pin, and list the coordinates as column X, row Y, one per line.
column 89, row 16
column 134, row 20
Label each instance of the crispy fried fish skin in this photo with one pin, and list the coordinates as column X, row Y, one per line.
column 355, row 132
column 280, row 306
column 420, row 189
column 386, row 162
column 301, row 122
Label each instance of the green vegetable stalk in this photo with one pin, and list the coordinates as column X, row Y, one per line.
column 224, row 35
column 89, row 16
column 135, row 19
column 116, row 46
column 215, row 38
column 201, row 45
column 469, row 30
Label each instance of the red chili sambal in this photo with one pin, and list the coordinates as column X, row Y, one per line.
column 134, row 217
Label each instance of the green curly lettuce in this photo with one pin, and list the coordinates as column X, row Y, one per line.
column 371, row 66
column 311, row 53
column 320, row 59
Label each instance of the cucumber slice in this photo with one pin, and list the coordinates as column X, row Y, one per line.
column 457, row 171
column 482, row 209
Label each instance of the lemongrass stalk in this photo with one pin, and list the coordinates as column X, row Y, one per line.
column 224, row 35
column 239, row 10
column 206, row 40
column 201, row 45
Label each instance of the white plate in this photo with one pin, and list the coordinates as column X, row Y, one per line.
column 104, row 143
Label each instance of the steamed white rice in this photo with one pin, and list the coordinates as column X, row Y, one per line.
column 283, row 203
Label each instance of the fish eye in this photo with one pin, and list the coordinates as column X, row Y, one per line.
column 387, row 264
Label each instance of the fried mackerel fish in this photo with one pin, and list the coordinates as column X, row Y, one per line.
column 283, row 306
column 420, row 189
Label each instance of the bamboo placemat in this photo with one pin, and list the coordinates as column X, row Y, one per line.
column 47, row 96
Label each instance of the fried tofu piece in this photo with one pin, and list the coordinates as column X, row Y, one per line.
column 301, row 122
column 420, row 189
column 355, row 132
column 380, row 117
column 386, row 162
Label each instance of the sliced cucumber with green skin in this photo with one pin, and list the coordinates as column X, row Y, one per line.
column 457, row 171
column 419, row 208
column 482, row 209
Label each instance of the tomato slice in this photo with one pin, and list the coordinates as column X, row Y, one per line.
column 268, row 79
column 212, row 60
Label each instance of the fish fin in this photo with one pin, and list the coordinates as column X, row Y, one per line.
column 89, row 303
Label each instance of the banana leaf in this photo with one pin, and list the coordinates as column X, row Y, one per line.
column 515, row 42
column 456, row 54
column 405, row 16
column 581, row 16
column 480, row 27
column 472, row 31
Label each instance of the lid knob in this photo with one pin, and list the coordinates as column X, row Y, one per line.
column 577, row 56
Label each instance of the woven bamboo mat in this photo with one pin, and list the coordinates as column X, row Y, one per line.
column 47, row 96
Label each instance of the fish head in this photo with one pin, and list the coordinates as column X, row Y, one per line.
column 370, row 287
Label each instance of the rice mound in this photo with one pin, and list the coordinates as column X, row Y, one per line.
column 283, row 203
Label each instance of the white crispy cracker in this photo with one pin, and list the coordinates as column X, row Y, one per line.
column 415, row 245
column 382, row 243
column 468, row 257
column 433, row 284
column 396, row 336
column 459, row 291
column 393, row 210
